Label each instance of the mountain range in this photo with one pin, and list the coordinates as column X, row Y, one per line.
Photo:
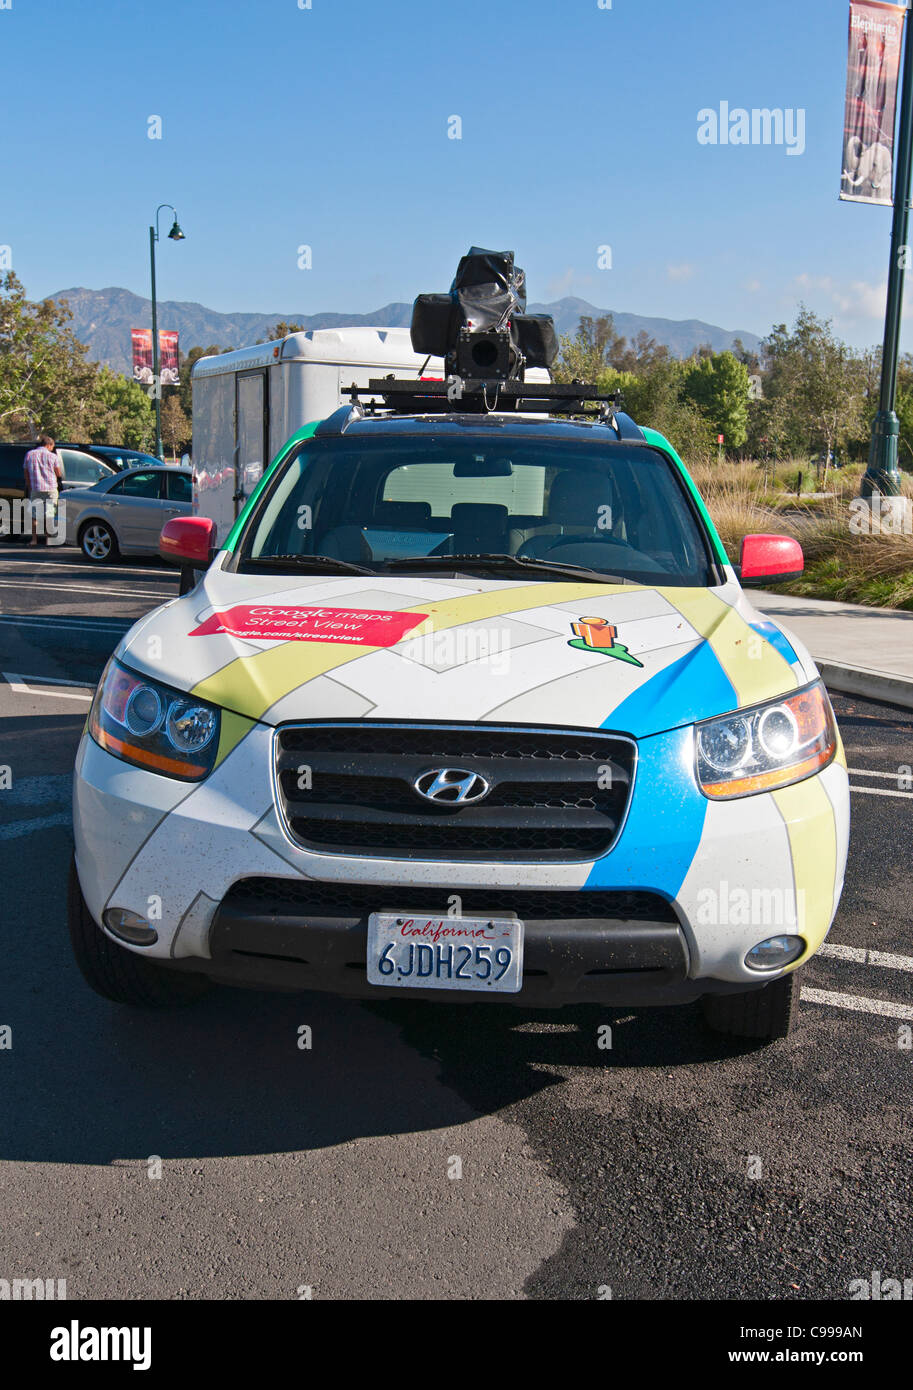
column 102, row 319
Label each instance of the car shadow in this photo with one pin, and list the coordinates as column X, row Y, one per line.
column 88, row 1081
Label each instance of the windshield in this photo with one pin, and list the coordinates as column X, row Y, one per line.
column 415, row 500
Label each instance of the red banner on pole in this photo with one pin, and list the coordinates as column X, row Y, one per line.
column 142, row 356
column 873, row 66
column 168, row 358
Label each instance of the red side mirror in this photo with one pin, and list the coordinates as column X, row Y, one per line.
column 770, row 557
column 188, row 540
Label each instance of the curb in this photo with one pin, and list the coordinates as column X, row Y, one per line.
column 871, row 685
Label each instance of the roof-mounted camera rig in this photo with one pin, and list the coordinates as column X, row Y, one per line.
column 481, row 328
column 488, row 341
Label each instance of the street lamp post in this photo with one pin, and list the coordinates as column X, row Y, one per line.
column 882, row 474
column 175, row 235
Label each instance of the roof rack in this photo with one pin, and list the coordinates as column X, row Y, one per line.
column 474, row 396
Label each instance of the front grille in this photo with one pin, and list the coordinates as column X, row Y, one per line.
column 556, row 795
column 284, row 897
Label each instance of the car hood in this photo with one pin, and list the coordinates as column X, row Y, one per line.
column 628, row 657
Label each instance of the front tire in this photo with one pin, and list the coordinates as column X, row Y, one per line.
column 764, row 1014
column 118, row 974
column 98, row 543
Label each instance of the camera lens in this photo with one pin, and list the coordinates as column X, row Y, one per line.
column 485, row 353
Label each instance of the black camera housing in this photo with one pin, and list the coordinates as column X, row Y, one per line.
column 486, row 355
column 480, row 327
column 435, row 324
column 536, row 338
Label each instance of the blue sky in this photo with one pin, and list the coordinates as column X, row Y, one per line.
column 328, row 127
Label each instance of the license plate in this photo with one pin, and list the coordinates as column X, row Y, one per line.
column 479, row 954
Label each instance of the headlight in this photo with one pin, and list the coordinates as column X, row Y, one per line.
column 153, row 726
column 758, row 750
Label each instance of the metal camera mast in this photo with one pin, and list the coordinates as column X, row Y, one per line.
column 488, row 342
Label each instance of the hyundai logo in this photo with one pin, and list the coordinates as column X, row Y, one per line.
column 453, row 786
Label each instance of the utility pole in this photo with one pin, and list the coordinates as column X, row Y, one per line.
column 882, row 475
column 156, row 365
column 175, row 235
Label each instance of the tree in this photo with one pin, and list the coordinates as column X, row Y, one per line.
column 597, row 348
column 125, row 414
column 45, row 380
column 815, row 387
column 185, row 391
column 643, row 355
column 745, row 354
column 656, row 397
column 649, row 377
column 593, row 350
column 176, row 427
column 718, row 385
column 283, row 329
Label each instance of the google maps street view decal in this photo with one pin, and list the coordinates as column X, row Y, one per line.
column 267, row 623
column 598, row 635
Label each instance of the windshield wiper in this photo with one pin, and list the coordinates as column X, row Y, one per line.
column 306, row 562
column 501, row 562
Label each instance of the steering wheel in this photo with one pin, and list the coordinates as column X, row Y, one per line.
column 582, row 539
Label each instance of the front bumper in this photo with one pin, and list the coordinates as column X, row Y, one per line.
column 279, row 934
column 185, row 855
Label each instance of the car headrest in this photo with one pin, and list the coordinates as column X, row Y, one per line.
column 465, row 516
column 575, row 499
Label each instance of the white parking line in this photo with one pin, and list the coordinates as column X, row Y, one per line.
column 882, row 1007
column 19, row 686
column 55, row 619
column 78, row 588
column 50, row 789
column 863, row 956
column 64, row 624
column 101, row 571
column 879, row 791
column 867, row 772
column 897, row 777
column 18, row 828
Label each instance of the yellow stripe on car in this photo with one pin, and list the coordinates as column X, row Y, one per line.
column 755, row 669
column 809, row 818
column 234, row 727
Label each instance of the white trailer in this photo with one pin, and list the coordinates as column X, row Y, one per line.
column 247, row 403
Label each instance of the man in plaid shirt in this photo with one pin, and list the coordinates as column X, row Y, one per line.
column 42, row 470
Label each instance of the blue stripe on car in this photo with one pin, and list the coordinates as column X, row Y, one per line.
column 775, row 637
column 665, row 820
column 692, row 688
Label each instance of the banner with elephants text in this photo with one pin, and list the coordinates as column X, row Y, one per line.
column 141, row 339
column 873, row 65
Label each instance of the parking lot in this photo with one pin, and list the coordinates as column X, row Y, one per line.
column 430, row 1150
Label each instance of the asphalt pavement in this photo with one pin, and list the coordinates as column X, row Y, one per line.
column 430, row 1151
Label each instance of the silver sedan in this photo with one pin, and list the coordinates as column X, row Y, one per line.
column 123, row 515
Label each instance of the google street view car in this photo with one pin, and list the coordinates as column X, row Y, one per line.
column 468, row 702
